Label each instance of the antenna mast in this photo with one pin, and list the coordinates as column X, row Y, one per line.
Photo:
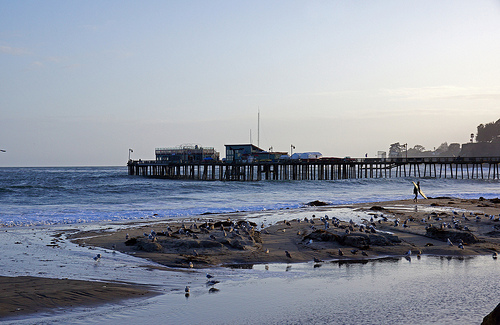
column 258, row 128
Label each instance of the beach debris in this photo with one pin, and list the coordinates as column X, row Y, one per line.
column 364, row 253
column 340, row 252
column 317, row 260
column 449, row 242
column 408, row 258
column 97, row 258
column 354, row 251
column 187, row 289
column 213, row 290
column 209, row 276
column 288, row 254
column 191, row 264
column 495, row 255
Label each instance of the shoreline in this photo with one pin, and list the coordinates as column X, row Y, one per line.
column 262, row 238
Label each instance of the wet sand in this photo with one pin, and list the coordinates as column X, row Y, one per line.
column 26, row 294
column 236, row 239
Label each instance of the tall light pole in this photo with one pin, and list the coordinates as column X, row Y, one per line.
column 129, row 152
column 291, row 149
column 406, row 150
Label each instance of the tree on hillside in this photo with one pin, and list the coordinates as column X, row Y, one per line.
column 487, row 132
column 419, row 148
column 395, row 150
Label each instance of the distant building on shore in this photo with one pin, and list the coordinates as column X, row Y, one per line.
column 186, row 153
column 481, row 149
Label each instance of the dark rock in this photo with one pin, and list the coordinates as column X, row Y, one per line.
column 492, row 318
column 131, row 242
column 149, row 246
column 383, row 239
column 317, row 204
column 495, row 200
column 377, row 208
column 237, row 244
column 452, row 234
column 323, row 235
column 360, row 241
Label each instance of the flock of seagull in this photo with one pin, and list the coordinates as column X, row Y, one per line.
column 232, row 228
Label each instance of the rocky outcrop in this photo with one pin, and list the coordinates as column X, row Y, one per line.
column 492, row 318
column 453, row 235
column 358, row 240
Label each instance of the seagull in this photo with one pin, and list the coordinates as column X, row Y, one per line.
column 460, row 245
column 354, row 251
column 495, row 255
column 288, row 254
column 186, row 289
column 408, row 258
column 191, row 264
column 127, row 236
column 340, row 252
column 449, row 242
column 408, row 253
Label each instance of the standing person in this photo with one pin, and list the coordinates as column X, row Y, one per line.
column 416, row 191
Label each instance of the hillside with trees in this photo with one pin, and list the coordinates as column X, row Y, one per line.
column 488, row 132
column 487, row 145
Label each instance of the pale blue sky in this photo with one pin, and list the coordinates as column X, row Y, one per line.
column 83, row 81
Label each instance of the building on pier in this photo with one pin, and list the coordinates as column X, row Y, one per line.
column 186, row 153
column 236, row 153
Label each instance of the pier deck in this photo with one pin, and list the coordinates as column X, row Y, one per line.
column 321, row 169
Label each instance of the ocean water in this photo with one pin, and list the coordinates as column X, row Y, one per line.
column 70, row 195
column 433, row 290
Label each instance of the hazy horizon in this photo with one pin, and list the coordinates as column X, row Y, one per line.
column 82, row 82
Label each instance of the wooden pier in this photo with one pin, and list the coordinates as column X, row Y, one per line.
column 321, row 169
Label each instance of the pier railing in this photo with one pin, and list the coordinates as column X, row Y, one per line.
column 322, row 169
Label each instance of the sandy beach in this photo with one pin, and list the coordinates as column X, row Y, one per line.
column 439, row 226
column 26, row 294
column 222, row 240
